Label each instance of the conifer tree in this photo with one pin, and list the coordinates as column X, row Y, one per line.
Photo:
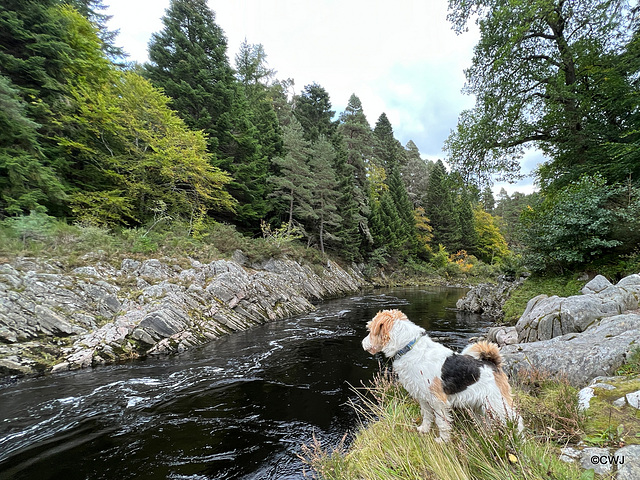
column 313, row 111
column 324, row 190
column 387, row 150
column 439, row 207
column 293, row 180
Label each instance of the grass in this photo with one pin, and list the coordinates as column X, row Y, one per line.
column 39, row 235
column 563, row 286
column 387, row 447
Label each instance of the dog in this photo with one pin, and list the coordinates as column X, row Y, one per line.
column 438, row 378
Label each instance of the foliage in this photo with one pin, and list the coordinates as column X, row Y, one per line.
column 188, row 61
column 491, row 244
column 553, row 74
column 135, row 154
column 573, row 226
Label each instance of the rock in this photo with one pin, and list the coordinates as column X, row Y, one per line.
column 621, row 402
column 569, row 454
column 502, row 335
column 548, row 317
column 170, row 309
column 592, row 458
column 630, row 469
column 600, row 350
column 584, row 398
column 487, row 298
column 596, row 285
column 633, row 399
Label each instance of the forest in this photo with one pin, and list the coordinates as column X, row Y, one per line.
column 191, row 140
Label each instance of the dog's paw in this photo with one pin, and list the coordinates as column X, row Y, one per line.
column 424, row 428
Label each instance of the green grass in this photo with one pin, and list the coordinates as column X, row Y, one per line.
column 39, row 235
column 563, row 286
column 388, row 447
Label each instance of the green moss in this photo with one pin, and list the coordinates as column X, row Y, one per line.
column 608, row 425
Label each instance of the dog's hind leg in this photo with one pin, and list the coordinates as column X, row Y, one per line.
column 427, row 417
column 443, row 421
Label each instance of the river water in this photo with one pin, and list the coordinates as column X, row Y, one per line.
column 238, row 408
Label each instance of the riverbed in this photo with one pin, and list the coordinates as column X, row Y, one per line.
column 237, row 408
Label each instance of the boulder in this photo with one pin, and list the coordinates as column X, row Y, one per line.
column 548, row 317
column 487, row 298
column 600, row 350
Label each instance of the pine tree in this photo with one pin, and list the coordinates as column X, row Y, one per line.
column 313, row 111
column 488, row 201
column 293, row 180
column 415, row 174
column 439, row 207
column 324, row 199
column 387, row 150
column 407, row 231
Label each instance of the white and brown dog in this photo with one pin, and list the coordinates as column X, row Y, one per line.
column 438, row 378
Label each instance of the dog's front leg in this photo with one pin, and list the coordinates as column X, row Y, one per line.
column 427, row 417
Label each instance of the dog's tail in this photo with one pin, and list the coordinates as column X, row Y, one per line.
column 484, row 350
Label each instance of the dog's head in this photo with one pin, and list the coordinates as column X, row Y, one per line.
column 380, row 330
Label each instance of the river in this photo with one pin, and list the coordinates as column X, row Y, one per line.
column 237, row 408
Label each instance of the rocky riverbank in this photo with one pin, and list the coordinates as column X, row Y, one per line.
column 54, row 319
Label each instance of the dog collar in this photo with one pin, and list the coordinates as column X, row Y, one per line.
column 407, row 348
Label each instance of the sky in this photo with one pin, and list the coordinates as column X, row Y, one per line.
column 399, row 57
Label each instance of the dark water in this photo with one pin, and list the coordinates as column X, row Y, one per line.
column 238, row 408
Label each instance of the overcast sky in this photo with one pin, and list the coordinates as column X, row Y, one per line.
column 399, row 57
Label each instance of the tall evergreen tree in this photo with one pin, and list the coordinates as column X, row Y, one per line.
column 488, row 201
column 313, row 111
column 439, row 207
column 324, row 199
column 293, row 180
column 188, row 60
column 407, row 232
column 415, row 174
column 388, row 151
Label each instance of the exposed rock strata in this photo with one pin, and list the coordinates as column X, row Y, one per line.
column 99, row 314
column 580, row 337
column 548, row 317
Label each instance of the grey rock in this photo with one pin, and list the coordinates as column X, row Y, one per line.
column 599, row 467
column 584, row 398
column 621, row 402
column 502, row 335
column 548, row 317
column 174, row 310
column 600, row 350
column 487, row 298
column 633, row 399
column 596, row 285
column 630, row 469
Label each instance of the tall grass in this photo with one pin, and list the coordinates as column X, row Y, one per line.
column 388, row 446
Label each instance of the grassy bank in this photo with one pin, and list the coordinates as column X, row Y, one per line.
column 388, row 446
column 44, row 237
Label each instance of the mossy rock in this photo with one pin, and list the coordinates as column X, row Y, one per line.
column 608, row 424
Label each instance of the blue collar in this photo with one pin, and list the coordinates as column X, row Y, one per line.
column 407, row 348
